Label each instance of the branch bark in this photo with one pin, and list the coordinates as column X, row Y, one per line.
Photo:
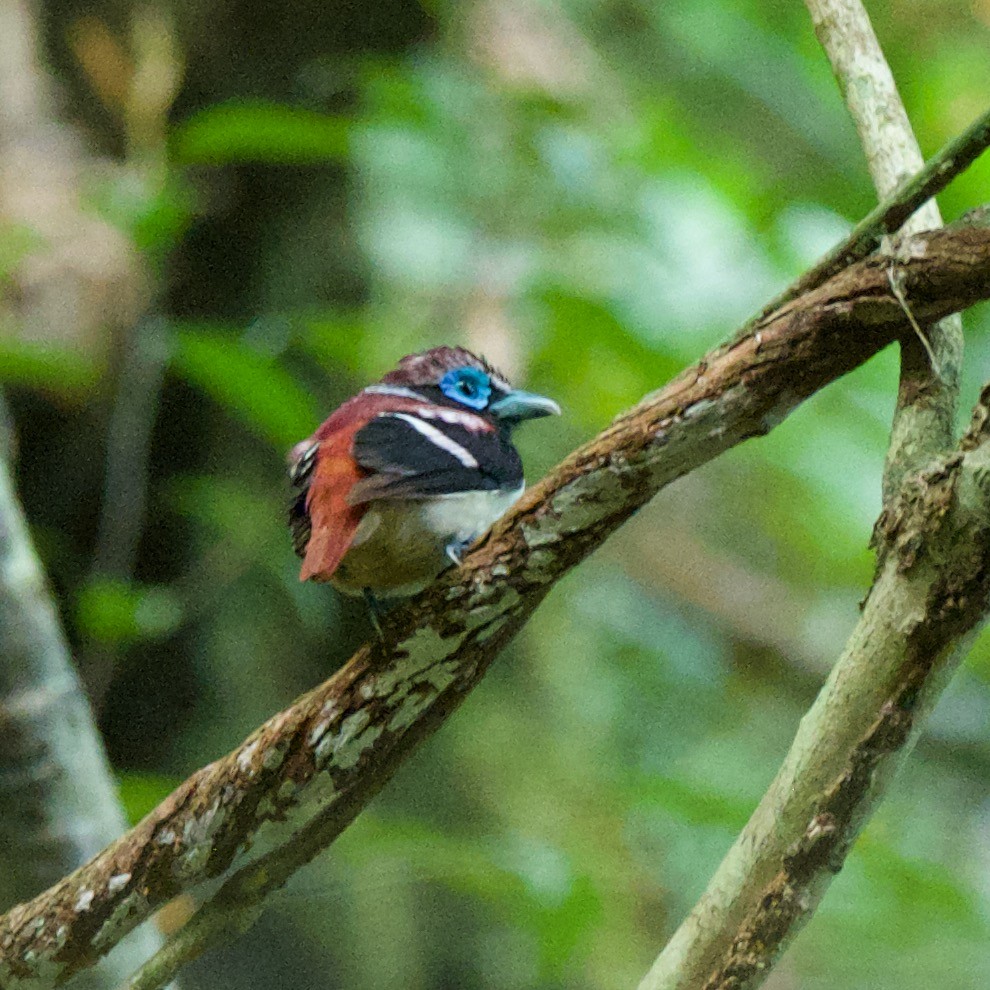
column 929, row 593
column 300, row 779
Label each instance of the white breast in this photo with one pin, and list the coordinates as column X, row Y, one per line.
column 464, row 516
column 401, row 544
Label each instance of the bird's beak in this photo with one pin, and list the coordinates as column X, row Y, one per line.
column 519, row 405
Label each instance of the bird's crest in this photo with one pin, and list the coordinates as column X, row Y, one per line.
column 430, row 366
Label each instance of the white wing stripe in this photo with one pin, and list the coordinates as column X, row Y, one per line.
column 397, row 390
column 455, row 417
column 437, row 438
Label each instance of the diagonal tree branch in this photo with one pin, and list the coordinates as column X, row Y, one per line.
column 297, row 782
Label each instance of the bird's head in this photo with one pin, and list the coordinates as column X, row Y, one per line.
column 453, row 376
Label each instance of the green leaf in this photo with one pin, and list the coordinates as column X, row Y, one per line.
column 251, row 386
column 563, row 928
column 51, row 369
column 690, row 802
column 143, row 792
column 260, row 132
column 116, row 612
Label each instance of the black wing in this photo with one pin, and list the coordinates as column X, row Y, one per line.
column 411, row 457
column 300, row 475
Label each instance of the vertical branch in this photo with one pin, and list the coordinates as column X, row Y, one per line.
column 132, row 420
column 58, row 805
column 927, row 396
column 125, row 484
column 909, row 637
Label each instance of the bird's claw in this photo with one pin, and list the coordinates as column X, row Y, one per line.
column 375, row 612
column 455, row 550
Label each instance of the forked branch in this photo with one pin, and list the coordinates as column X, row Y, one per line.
column 928, row 394
column 930, row 592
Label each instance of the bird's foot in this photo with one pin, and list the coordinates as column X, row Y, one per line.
column 375, row 612
column 455, row 550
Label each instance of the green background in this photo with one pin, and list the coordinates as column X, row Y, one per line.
column 592, row 194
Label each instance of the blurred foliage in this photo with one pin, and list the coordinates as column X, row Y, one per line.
column 258, row 132
column 591, row 194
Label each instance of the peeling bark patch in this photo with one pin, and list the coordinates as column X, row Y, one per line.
column 345, row 746
column 118, row 882
column 979, row 427
column 84, row 901
column 133, row 904
column 245, row 756
column 909, row 526
column 823, row 847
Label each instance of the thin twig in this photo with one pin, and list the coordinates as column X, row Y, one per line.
column 135, row 408
column 125, row 485
column 224, row 924
column 890, row 215
column 894, row 280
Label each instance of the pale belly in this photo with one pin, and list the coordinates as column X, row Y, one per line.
column 401, row 545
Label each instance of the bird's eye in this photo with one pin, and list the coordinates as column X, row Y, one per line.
column 469, row 386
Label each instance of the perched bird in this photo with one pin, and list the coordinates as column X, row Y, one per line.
column 402, row 477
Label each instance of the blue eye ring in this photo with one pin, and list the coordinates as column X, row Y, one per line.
column 469, row 386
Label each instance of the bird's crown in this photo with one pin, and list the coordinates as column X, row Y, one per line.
column 430, row 367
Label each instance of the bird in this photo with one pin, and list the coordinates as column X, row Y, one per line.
column 404, row 476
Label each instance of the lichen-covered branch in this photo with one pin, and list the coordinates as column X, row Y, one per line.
column 296, row 782
column 928, row 396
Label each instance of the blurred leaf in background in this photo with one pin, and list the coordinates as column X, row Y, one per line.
column 243, row 131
